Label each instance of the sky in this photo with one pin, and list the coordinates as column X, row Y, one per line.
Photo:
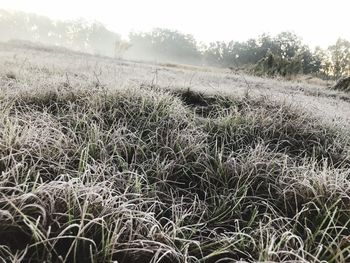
column 317, row 22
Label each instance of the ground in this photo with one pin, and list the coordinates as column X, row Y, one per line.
column 105, row 160
column 31, row 66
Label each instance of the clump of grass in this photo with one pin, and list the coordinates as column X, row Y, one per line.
column 11, row 76
column 155, row 176
column 343, row 84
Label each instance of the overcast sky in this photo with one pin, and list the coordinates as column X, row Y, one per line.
column 318, row 22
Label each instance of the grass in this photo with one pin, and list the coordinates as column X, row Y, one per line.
column 145, row 175
column 343, row 84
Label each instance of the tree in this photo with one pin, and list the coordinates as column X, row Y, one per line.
column 165, row 45
column 323, row 62
column 101, row 40
column 340, row 58
column 219, row 54
column 289, row 44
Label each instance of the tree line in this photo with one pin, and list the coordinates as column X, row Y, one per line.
column 81, row 35
column 284, row 54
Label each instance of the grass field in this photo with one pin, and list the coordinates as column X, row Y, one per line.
column 115, row 161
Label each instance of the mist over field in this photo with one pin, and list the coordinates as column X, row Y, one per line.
column 153, row 145
column 283, row 54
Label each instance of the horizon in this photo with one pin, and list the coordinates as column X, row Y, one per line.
column 269, row 17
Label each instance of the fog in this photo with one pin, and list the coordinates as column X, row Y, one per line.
column 285, row 52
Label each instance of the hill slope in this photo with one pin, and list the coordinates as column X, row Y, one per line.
column 103, row 162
